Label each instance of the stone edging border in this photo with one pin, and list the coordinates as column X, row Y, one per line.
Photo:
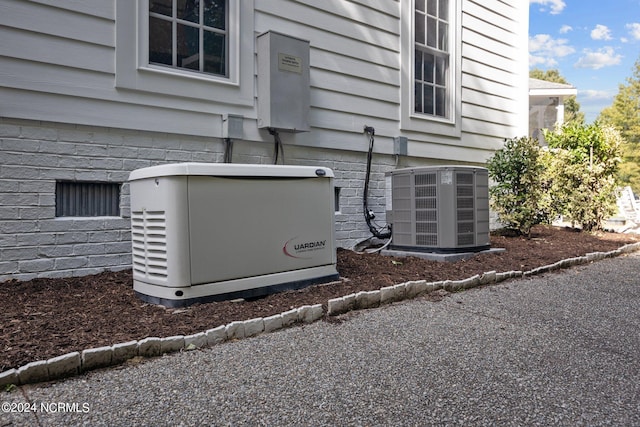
column 75, row 363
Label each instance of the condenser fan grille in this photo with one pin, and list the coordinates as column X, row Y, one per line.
column 465, row 215
column 426, row 216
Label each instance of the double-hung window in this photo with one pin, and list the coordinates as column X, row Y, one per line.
column 188, row 49
column 189, row 34
column 432, row 59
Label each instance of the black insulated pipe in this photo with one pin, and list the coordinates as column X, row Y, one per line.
column 277, row 146
column 368, row 214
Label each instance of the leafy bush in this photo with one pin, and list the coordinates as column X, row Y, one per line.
column 583, row 165
column 575, row 176
column 519, row 196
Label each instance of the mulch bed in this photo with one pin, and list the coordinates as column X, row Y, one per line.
column 44, row 318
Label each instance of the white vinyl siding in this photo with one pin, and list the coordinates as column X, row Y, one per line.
column 355, row 72
column 361, row 73
column 494, row 69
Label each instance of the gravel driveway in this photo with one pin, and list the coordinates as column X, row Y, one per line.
column 558, row 349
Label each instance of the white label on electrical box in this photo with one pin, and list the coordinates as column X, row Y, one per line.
column 290, row 63
column 446, row 177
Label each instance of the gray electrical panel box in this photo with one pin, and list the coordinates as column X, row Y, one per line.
column 232, row 126
column 400, row 146
column 283, row 82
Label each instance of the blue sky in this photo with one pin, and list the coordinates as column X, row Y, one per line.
column 593, row 43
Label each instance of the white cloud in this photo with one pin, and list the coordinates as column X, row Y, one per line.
column 535, row 60
column 601, row 58
column 545, row 50
column 565, row 29
column 595, row 95
column 557, row 6
column 601, row 32
column 634, row 30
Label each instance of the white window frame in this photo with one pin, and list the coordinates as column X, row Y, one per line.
column 134, row 72
column 426, row 123
column 202, row 30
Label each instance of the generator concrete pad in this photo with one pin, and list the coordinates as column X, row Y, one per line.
column 441, row 257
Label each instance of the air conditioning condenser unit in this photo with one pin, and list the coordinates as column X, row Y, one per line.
column 439, row 209
column 220, row 231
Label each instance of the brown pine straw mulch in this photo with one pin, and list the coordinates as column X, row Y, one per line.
column 44, row 318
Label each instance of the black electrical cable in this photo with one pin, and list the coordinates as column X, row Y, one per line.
column 368, row 215
column 228, row 150
column 277, row 147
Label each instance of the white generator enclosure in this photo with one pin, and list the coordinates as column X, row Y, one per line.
column 439, row 209
column 222, row 231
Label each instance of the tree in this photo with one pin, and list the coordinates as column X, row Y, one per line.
column 571, row 106
column 624, row 115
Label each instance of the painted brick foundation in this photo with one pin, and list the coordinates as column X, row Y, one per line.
column 34, row 243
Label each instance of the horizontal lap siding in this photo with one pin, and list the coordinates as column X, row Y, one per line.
column 355, row 69
column 59, row 39
column 101, row 9
column 492, row 73
column 354, row 61
column 355, row 75
column 56, row 48
column 57, row 63
column 54, row 21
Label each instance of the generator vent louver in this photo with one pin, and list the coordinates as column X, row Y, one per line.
column 439, row 209
column 149, row 244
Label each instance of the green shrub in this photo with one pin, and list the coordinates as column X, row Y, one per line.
column 519, row 194
column 575, row 176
